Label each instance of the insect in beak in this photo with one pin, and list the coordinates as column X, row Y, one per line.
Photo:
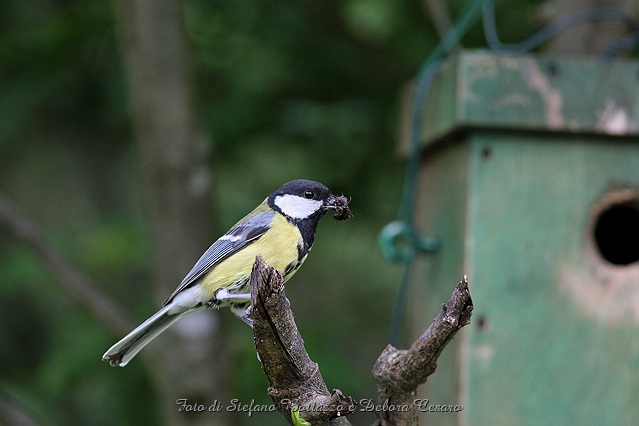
column 340, row 205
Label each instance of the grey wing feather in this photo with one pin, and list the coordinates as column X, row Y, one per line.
column 239, row 236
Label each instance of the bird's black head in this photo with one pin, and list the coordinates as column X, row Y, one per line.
column 303, row 203
column 302, row 199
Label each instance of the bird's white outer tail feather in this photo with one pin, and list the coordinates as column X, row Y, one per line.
column 122, row 352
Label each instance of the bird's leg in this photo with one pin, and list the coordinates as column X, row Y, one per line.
column 223, row 295
column 240, row 304
column 243, row 312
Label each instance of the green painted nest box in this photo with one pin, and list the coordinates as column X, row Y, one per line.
column 530, row 180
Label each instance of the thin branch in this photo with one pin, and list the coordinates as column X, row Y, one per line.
column 74, row 282
column 13, row 414
column 398, row 373
column 295, row 380
column 436, row 10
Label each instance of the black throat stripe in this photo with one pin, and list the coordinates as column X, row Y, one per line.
column 307, row 228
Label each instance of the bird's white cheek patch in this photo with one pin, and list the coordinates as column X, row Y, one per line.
column 297, row 207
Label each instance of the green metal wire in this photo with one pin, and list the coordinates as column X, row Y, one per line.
column 400, row 240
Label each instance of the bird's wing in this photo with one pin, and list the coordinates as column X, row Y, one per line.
column 245, row 232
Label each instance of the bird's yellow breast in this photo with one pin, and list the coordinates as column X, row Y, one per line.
column 278, row 247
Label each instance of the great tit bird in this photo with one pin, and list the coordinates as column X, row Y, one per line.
column 281, row 229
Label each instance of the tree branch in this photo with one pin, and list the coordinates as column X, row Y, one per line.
column 74, row 282
column 295, row 380
column 13, row 414
column 436, row 10
column 398, row 373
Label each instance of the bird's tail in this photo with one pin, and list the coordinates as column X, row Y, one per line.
column 122, row 352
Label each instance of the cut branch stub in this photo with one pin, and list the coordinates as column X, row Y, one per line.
column 398, row 373
column 295, row 382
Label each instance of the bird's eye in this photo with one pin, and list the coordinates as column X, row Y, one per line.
column 308, row 194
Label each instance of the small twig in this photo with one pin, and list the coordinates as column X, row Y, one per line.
column 13, row 414
column 398, row 373
column 76, row 284
column 436, row 10
column 295, row 382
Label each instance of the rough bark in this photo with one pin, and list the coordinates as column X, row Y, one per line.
column 295, row 381
column 398, row 373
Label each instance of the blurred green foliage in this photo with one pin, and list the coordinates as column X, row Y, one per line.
column 287, row 90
